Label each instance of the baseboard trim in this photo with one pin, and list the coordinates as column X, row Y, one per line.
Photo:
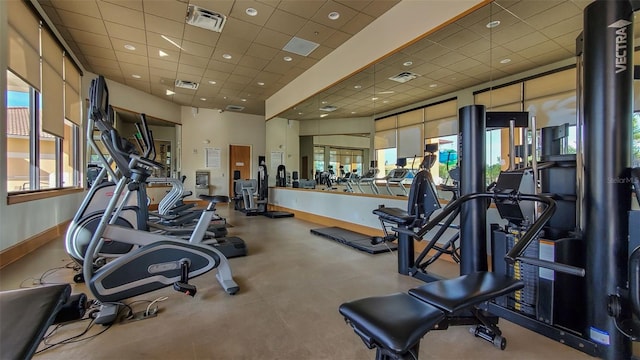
column 21, row 249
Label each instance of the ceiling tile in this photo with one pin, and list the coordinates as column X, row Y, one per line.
column 264, row 11
column 285, row 23
column 462, row 38
column 232, row 45
column 127, row 57
column 169, row 9
column 200, row 35
column 102, row 62
column 262, row 51
column 357, row 23
column 218, row 76
column 157, row 40
column 131, row 69
column 554, row 15
column 83, row 37
column 118, row 45
column 97, row 51
column 121, row 15
column 239, row 79
column 527, row 9
column 322, row 15
column 125, row 32
column 377, row 8
column 525, row 41
column 337, row 38
column 137, row 84
column 88, row 8
column 79, row 21
column 240, row 29
column 216, row 65
column 161, row 73
column 246, row 71
column 191, row 70
column 253, row 62
column 305, row 9
column 272, row 38
column 193, row 60
column 320, row 52
column 315, row 32
column 131, row 4
column 171, row 55
column 196, row 49
column 163, row 26
column 221, row 6
column 163, row 64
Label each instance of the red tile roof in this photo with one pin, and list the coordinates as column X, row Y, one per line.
column 18, row 122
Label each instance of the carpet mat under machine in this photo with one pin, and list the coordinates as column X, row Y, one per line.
column 353, row 239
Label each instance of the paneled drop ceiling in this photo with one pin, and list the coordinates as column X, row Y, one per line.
column 147, row 45
column 149, row 39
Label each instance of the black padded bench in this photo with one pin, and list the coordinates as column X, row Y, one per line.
column 394, row 324
column 26, row 316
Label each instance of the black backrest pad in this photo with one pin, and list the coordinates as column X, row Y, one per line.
column 468, row 290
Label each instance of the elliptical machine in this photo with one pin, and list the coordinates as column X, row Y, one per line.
column 153, row 261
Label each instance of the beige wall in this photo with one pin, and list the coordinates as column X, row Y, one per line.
column 220, row 130
column 282, row 137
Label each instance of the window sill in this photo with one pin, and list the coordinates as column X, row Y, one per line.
column 17, row 198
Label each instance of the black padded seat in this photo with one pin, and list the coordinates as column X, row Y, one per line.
column 395, row 322
column 214, row 198
column 394, row 215
column 26, row 316
column 462, row 292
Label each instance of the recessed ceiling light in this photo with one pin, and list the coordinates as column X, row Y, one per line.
column 374, row 98
column 226, row 56
column 357, row 87
column 169, row 92
column 433, row 85
column 212, row 82
column 354, row 112
column 136, row 76
column 407, row 63
column 324, row 115
column 243, row 99
column 251, row 12
column 300, row 113
column 325, row 102
column 505, row 61
column 162, row 53
column 203, row 99
column 287, row 58
column 260, row 83
column 385, row 101
column 386, row 92
column 129, row 47
column 492, row 24
column 334, row 15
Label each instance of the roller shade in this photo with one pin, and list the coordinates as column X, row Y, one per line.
column 72, row 100
column 411, row 117
column 410, row 141
column 385, row 139
column 386, row 123
column 442, row 127
column 24, row 42
column 553, row 110
column 52, row 101
column 501, row 96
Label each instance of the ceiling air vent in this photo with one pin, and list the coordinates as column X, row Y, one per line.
column 404, row 76
column 300, row 46
column 187, row 84
column 234, row 108
column 329, row 108
column 205, row 19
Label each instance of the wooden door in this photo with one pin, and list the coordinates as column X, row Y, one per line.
column 304, row 174
column 240, row 160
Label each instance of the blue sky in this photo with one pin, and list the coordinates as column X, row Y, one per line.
column 15, row 98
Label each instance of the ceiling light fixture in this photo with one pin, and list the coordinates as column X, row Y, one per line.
column 334, row 15
column 162, row 53
column 171, row 42
column 433, row 85
column 203, row 99
column 505, row 61
column 374, row 98
column 136, row 76
column 212, row 82
column 407, row 63
column 300, row 113
column 260, row 83
column 243, row 99
column 324, row 115
column 287, row 58
column 251, row 12
column 357, row 87
column 227, row 56
column 129, row 47
column 169, row 92
column 492, row 24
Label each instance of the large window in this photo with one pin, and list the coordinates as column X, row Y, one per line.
column 43, row 107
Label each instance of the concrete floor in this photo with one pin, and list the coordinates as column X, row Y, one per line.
column 291, row 286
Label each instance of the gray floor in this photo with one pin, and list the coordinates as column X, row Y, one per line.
column 291, row 286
